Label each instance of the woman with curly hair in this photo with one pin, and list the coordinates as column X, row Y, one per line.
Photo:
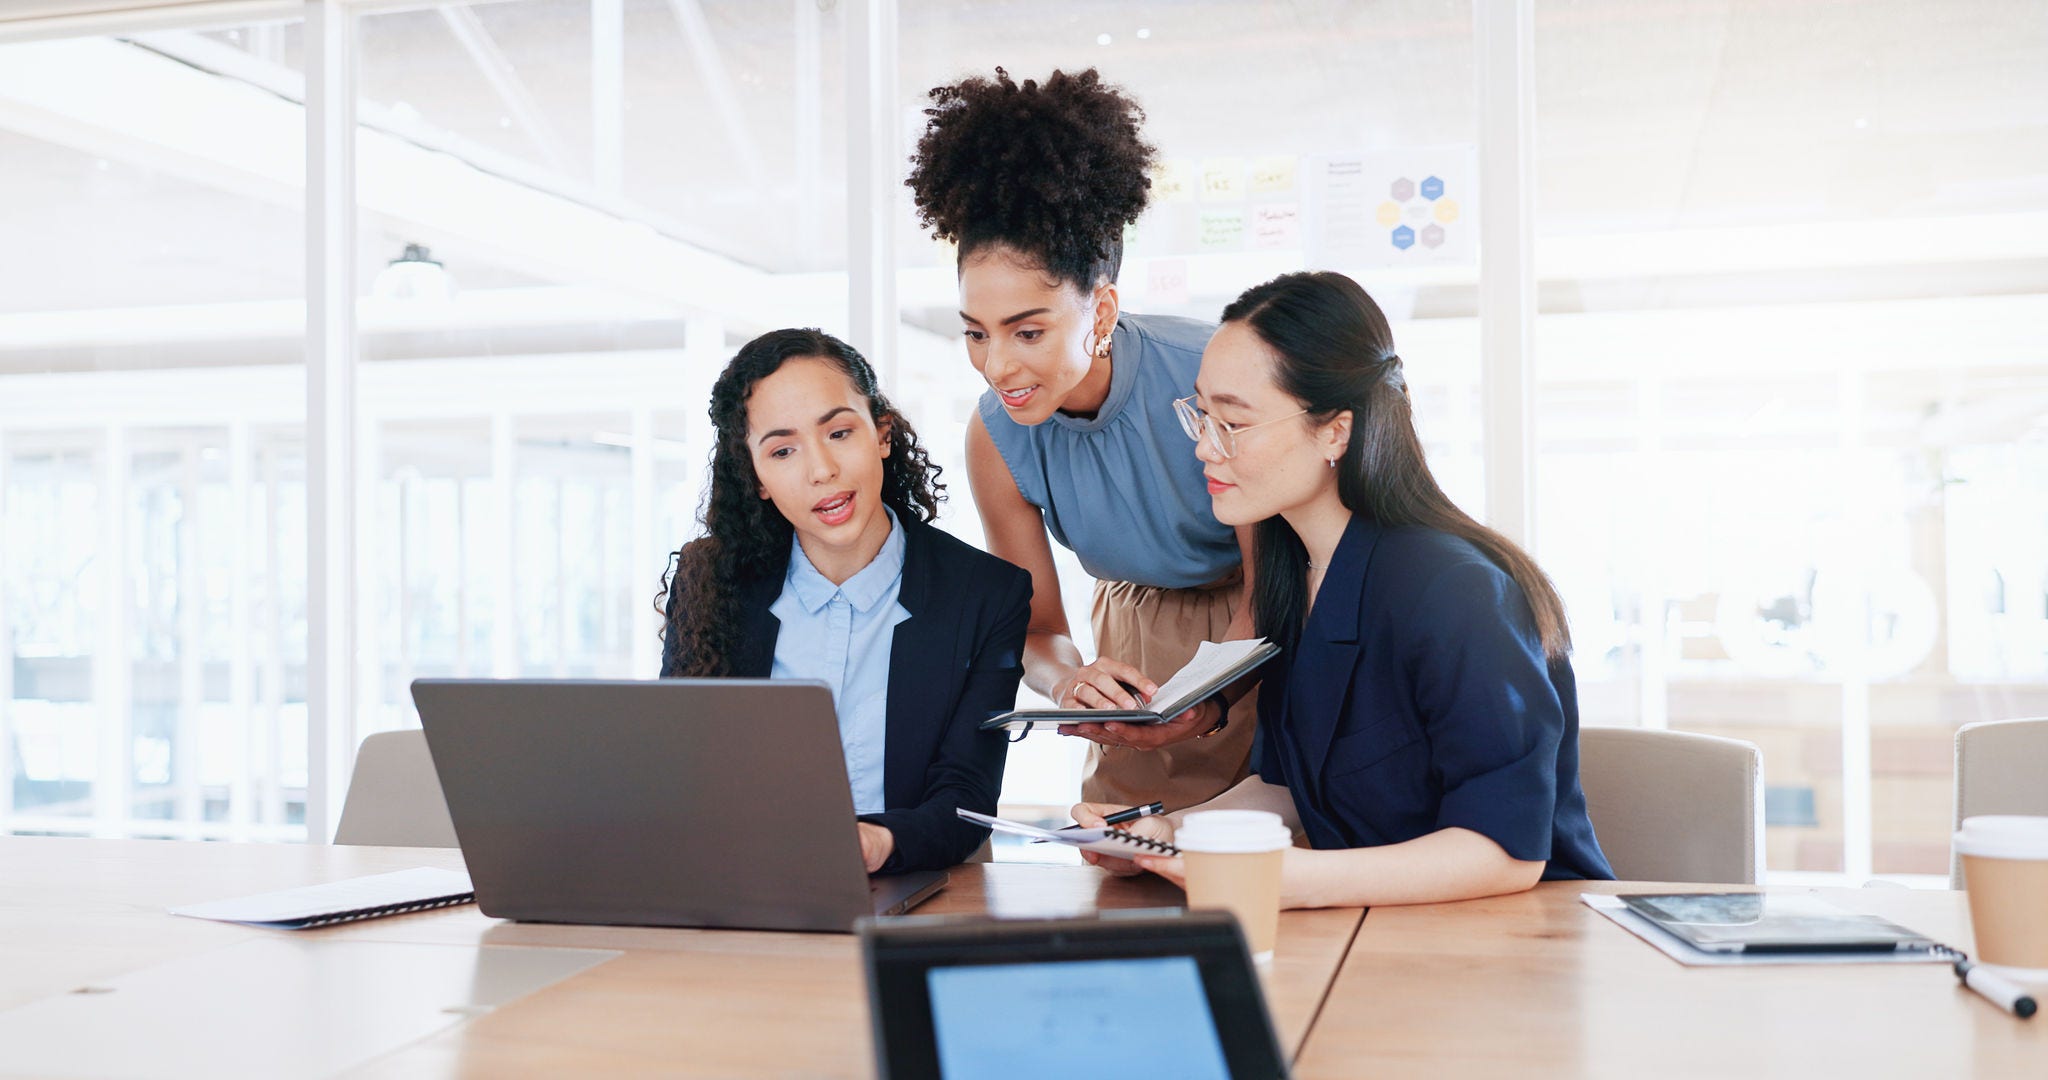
column 1077, row 436
column 819, row 561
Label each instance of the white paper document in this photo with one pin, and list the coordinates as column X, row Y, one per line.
column 341, row 901
column 1213, row 658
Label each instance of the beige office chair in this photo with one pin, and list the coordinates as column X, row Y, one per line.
column 394, row 798
column 1674, row 806
column 2001, row 768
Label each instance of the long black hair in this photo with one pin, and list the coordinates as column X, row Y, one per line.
column 1052, row 170
column 744, row 535
column 1336, row 353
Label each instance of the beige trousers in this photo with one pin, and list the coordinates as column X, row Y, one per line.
column 1157, row 631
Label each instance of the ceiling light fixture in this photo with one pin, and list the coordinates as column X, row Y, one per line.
column 415, row 276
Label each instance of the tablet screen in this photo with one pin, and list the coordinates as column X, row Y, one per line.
column 1114, row 1018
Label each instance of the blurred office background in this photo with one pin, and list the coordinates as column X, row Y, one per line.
column 1789, row 361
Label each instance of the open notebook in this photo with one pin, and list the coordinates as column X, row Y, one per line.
column 1215, row 665
column 1109, row 841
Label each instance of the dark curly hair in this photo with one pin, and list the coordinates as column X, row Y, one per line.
column 744, row 535
column 1053, row 171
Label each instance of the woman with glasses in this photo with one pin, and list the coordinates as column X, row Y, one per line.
column 1420, row 727
column 1075, row 440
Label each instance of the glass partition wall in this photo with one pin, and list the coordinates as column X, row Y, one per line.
column 152, row 462
column 1787, row 373
column 1792, row 400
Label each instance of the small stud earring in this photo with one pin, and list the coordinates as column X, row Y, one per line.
column 1333, row 463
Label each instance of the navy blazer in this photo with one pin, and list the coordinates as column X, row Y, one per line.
column 1419, row 698
column 954, row 663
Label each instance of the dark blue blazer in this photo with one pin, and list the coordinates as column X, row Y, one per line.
column 1419, row 698
column 954, row 663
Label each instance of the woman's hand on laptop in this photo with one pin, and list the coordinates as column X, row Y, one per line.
column 1089, row 816
column 876, row 845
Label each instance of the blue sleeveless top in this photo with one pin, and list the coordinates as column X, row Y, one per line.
column 1123, row 490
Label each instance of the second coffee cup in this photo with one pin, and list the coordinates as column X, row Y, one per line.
column 2005, row 870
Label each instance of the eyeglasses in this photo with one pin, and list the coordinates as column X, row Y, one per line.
column 1222, row 436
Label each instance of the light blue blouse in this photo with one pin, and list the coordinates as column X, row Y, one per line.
column 841, row 635
column 1124, row 490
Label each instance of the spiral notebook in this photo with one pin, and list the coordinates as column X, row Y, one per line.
column 1109, row 841
column 348, row 900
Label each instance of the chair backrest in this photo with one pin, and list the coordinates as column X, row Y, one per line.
column 1674, row 806
column 394, row 798
column 2001, row 768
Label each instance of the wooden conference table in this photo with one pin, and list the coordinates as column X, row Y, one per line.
column 1535, row 984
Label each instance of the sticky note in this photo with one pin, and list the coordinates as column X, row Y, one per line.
column 1221, row 229
column 1273, row 176
column 1277, row 225
column 1222, row 179
column 1173, row 181
column 1166, row 282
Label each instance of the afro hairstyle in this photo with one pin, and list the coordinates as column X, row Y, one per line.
column 1054, row 170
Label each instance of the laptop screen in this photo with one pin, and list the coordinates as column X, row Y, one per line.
column 1123, row 1018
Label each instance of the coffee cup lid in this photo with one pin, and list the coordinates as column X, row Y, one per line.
column 2003, row 836
column 1233, row 832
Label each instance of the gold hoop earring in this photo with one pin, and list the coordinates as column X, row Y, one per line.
column 1101, row 350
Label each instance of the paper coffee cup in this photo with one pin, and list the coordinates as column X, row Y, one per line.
column 1233, row 864
column 2005, row 869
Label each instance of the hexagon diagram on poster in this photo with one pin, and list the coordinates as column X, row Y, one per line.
column 1392, row 207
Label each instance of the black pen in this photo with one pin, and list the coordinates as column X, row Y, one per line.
column 1121, row 816
column 1134, row 813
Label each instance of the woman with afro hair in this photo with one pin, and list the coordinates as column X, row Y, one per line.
column 819, row 561
column 1077, row 435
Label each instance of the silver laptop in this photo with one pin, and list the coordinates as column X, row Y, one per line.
column 678, row 802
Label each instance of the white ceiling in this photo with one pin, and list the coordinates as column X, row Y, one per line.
column 1651, row 116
